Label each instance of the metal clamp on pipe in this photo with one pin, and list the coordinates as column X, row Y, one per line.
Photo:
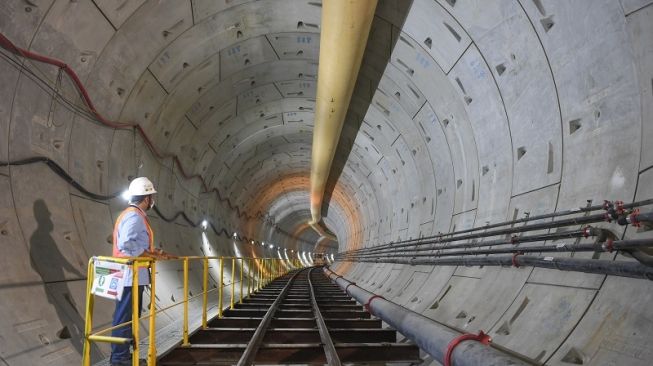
column 432, row 337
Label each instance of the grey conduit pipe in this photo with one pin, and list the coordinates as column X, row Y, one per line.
column 430, row 336
column 598, row 266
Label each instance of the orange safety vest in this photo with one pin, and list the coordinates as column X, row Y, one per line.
column 150, row 233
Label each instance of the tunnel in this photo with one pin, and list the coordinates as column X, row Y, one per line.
column 463, row 115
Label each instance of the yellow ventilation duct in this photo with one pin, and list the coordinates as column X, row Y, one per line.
column 345, row 28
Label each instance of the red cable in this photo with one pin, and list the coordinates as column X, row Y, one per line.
column 368, row 304
column 514, row 259
column 11, row 47
column 633, row 218
column 480, row 337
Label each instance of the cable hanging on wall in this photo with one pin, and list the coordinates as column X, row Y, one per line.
column 91, row 113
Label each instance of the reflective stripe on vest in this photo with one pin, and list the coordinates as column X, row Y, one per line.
column 150, row 233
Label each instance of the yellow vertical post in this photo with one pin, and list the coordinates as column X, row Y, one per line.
column 258, row 270
column 205, row 288
column 151, row 350
column 249, row 277
column 220, row 287
column 233, row 282
column 261, row 263
column 135, row 321
column 242, row 265
column 90, row 300
column 269, row 270
column 185, row 341
column 266, row 274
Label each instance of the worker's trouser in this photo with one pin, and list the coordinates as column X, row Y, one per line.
column 123, row 313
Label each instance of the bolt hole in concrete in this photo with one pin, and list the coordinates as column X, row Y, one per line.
column 64, row 333
column 501, row 68
column 573, row 357
column 521, row 151
column 574, row 125
column 453, row 32
column 547, row 23
column 504, row 329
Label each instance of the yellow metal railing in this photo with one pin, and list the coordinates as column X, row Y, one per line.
column 260, row 271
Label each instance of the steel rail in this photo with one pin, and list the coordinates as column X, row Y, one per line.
column 257, row 339
column 327, row 342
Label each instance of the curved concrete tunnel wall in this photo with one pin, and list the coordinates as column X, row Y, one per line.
column 469, row 113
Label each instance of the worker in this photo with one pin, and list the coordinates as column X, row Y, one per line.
column 133, row 237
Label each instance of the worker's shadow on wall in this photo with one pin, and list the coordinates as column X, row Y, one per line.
column 52, row 265
column 375, row 59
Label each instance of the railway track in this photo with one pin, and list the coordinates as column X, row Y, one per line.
column 300, row 318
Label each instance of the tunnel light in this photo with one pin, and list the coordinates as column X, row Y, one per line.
column 271, row 246
column 235, row 235
column 252, row 242
column 126, row 196
column 205, row 224
column 262, row 243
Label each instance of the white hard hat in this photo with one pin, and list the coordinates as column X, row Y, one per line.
column 141, row 186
